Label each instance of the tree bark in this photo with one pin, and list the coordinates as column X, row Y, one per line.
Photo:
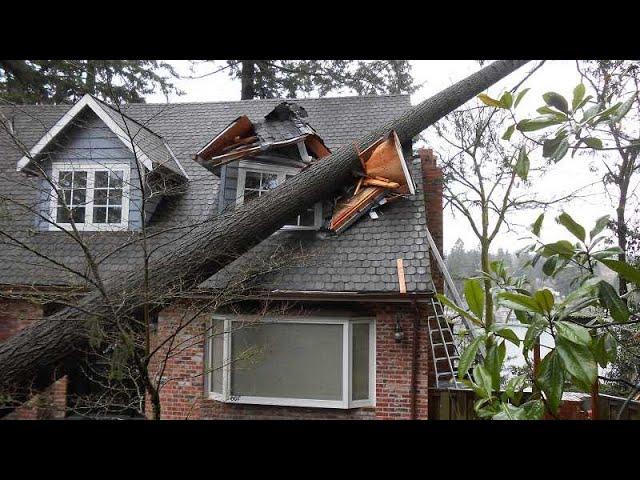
column 247, row 79
column 29, row 358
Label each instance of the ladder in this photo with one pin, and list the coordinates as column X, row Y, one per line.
column 444, row 351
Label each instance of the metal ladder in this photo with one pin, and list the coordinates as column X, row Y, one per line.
column 444, row 351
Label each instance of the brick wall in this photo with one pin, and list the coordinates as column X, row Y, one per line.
column 183, row 397
column 432, row 185
column 14, row 316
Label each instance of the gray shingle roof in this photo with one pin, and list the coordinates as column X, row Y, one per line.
column 361, row 259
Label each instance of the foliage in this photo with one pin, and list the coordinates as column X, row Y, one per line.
column 65, row 81
column 290, row 78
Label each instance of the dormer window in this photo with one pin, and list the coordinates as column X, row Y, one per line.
column 95, row 196
column 255, row 178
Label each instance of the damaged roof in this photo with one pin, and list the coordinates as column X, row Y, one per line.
column 361, row 259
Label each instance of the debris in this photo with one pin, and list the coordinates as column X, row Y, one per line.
column 401, row 280
column 282, row 127
column 385, row 174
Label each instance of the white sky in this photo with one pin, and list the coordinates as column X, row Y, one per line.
column 433, row 76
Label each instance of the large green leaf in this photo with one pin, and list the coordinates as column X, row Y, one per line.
column 508, row 132
column 623, row 110
column 564, row 248
column 468, row 356
column 570, row 224
column 556, row 100
column 551, row 379
column 510, row 412
column 506, row 100
column 579, row 362
column 545, row 299
column 533, row 409
column 578, row 95
column 518, row 301
column 493, row 362
column 601, row 223
column 520, row 96
column 593, row 142
column 522, row 164
column 537, row 225
column 515, row 385
column 625, row 270
column 507, row 334
column 538, row 123
column 610, row 299
column 445, row 301
column 604, row 349
column 549, row 266
column 483, row 381
column 573, row 333
column 474, row 295
column 533, row 333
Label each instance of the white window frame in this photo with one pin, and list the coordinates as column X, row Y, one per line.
column 281, row 171
column 347, row 363
column 91, row 168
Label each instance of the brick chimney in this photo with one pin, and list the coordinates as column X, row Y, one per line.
column 432, row 186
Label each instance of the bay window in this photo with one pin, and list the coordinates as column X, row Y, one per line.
column 95, row 196
column 312, row 362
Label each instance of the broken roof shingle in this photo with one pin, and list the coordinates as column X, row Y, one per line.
column 362, row 258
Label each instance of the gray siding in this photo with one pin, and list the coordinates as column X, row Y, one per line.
column 89, row 139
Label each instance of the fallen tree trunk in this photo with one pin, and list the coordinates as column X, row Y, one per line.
column 29, row 360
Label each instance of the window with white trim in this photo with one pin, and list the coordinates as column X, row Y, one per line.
column 95, row 196
column 305, row 361
column 255, row 178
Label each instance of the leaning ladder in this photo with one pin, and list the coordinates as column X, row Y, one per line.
column 444, row 352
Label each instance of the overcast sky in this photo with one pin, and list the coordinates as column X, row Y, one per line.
column 434, row 75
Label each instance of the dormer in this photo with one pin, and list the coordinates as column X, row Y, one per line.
column 253, row 157
column 91, row 162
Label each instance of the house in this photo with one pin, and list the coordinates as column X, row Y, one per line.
column 335, row 325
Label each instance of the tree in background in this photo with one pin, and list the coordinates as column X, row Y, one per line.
column 290, row 78
column 65, row 81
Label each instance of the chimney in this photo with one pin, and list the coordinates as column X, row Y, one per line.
column 432, row 186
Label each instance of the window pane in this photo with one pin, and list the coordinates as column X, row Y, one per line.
column 79, row 196
column 360, row 358
column 308, row 218
column 115, row 196
column 100, row 196
column 269, row 181
column 217, row 355
column 115, row 214
column 80, row 180
column 78, row 214
column 116, row 179
column 66, row 194
column 99, row 214
column 252, row 180
column 64, row 179
column 287, row 360
column 62, row 215
column 102, row 179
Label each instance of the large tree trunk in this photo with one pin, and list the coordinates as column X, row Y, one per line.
column 30, row 358
column 248, row 80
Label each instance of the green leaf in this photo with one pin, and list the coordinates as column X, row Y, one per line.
column 551, row 379
column 530, row 125
column 533, row 409
column 573, row 333
column 578, row 95
column 564, row 248
column 561, row 151
column 522, row 165
column 474, row 295
column 468, row 356
column 579, row 362
column 520, row 96
column 574, row 227
column 518, row 301
column 493, row 363
column 544, row 299
column 556, row 100
column 593, row 142
column 608, row 112
column 550, row 146
column 506, row 100
column 623, row 269
column 445, row 301
column 487, row 100
column 610, row 299
column 583, row 102
column 515, row 385
column 509, row 412
column 533, row 333
column 623, row 110
column 601, row 223
column 483, row 381
column 607, row 253
column 508, row 334
column 508, row 132
column 535, row 227
column 549, row 266
column 605, row 349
